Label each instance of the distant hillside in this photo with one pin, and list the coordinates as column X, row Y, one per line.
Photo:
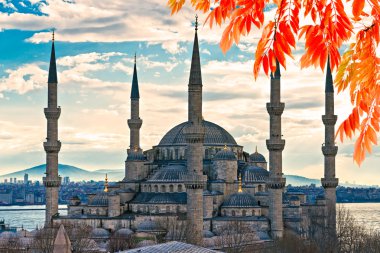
column 75, row 173
column 300, row 181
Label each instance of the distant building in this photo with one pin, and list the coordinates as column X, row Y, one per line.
column 6, row 197
column 15, row 180
column 5, row 181
column 66, row 180
column 29, row 198
column 26, row 178
column 10, row 180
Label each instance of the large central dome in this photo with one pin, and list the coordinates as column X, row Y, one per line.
column 215, row 135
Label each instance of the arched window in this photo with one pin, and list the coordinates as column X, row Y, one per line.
column 233, row 213
column 157, row 210
column 82, row 211
column 224, row 212
column 260, row 188
column 179, row 188
column 178, row 209
column 244, row 213
column 149, row 188
column 171, row 188
column 163, row 188
column 253, row 213
column 167, row 209
column 155, row 188
column 258, row 202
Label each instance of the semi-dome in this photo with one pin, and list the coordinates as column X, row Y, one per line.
column 240, row 199
column 100, row 233
column 214, row 135
column 257, row 158
column 100, row 199
column 124, row 232
column 171, row 173
column 225, row 154
column 252, row 174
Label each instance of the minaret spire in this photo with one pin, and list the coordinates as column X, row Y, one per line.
column 194, row 134
column 52, row 145
column 134, row 165
column 329, row 150
column 275, row 145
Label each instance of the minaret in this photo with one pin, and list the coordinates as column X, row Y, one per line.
column 134, row 165
column 275, row 145
column 135, row 122
column 194, row 134
column 329, row 150
column 52, row 145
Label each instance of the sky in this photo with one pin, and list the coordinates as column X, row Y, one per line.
column 95, row 42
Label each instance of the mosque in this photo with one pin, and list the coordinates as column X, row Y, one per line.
column 197, row 173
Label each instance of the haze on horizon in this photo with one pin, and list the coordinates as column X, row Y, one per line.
column 95, row 44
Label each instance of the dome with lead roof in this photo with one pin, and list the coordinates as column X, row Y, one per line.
column 100, row 233
column 240, row 199
column 215, row 135
column 252, row 174
column 171, row 173
column 225, row 154
column 257, row 158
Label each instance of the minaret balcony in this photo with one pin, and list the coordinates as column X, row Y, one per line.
column 275, row 145
column 194, row 181
column 275, row 108
column 329, row 150
column 329, row 182
column 52, row 113
column 52, row 147
column 51, row 182
column 329, row 120
column 135, row 123
column 276, row 183
column 195, row 87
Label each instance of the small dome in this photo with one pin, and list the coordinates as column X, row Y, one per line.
column 240, row 200
column 171, row 173
column 257, row 158
column 148, row 226
column 208, row 234
column 8, row 235
column 136, row 156
column 252, row 174
column 75, row 198
column 225, row 154
column 124, row 232
column 100, row 199
column 100, row 233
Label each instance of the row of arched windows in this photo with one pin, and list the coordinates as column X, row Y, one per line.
column 163, row 188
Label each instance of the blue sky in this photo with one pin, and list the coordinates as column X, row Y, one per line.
column 95, row 44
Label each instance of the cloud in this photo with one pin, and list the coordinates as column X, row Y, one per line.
column 23, row 79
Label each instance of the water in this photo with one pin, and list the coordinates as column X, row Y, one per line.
column 366, row 214
column 27, row 216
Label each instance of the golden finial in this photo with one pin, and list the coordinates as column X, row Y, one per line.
column 196, row 22
column 106, row 184
column 240, row 189
column 225, row 146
